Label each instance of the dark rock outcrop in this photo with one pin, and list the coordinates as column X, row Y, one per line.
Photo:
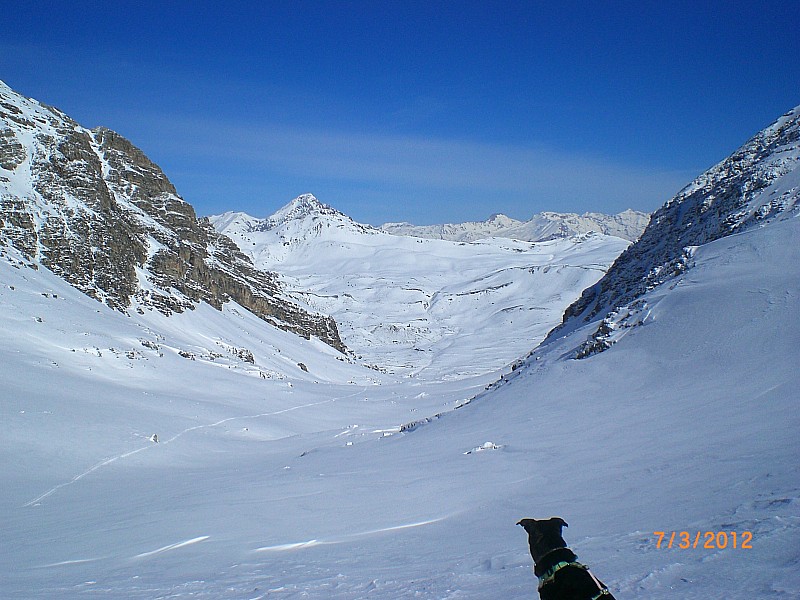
column 92, row 208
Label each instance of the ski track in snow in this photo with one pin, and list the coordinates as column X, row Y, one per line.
column 80, row 476
column 36, row 501
column 349, row 537
column 65, row 563
column 163, row 549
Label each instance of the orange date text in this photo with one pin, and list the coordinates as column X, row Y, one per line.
column 707, row 540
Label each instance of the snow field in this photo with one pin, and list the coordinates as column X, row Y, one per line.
column 422, row 308
column 687, row 424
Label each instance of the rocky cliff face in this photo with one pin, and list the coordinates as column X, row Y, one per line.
column 757, row 183
column 92, row 208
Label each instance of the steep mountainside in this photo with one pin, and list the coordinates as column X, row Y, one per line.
column 758, row 183
column 92, row 208
column 422, row 307
column 627, row 225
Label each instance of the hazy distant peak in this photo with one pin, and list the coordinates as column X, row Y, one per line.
column 627, row 225
column 238, row 220
column 501, row 220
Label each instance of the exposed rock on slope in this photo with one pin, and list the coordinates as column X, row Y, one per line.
column 92, row 208
column 758, row 182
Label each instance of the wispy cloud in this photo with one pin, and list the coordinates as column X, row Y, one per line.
column 418, row 163
column 227, row 161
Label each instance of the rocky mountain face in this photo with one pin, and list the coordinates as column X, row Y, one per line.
column 91, row 207
column 627, row 225
column 758, row 183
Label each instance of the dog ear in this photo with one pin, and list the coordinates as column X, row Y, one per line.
column 525, row 522
column 554, row 521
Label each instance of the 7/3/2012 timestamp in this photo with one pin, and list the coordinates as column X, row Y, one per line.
column 709, row 540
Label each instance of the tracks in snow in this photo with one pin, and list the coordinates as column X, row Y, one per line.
column 105, row 462
column 346, row 538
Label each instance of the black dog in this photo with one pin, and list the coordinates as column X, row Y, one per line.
column 561, row 577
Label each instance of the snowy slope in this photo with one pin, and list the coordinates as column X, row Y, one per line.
column 304, row 487
column 420, row 307
column 84, row 388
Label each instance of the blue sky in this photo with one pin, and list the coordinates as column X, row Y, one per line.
column 426, row 112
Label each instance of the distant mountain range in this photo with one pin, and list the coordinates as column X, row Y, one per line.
column 93, row 209
column 428, row 308
column 627, row 225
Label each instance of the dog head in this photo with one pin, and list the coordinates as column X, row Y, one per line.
column 544, row 535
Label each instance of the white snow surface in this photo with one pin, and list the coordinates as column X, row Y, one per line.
column 269, row 480
column 422, row 308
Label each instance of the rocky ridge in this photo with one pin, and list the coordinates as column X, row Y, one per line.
column 758, row 183
column 91, row 207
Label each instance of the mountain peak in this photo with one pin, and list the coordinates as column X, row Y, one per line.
column 307, row 214
column 305, row 205
column 501, row 220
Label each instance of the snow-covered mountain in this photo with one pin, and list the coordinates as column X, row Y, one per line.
column 302, row 222
column 627, row 225
column 208, row 454
column 92, row 208
column 756, row 184
column 422, row 307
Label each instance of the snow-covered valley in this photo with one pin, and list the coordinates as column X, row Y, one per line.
column 161, row 440
column 422, row 308
column 303, row 485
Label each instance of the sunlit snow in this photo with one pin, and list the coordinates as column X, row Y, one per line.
column 301, row 484
column 423, row 308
